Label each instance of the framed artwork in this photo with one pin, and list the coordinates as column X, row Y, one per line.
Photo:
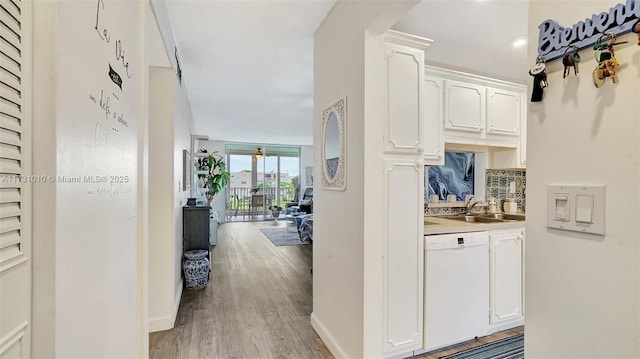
column 308, row 176
column 186, row 170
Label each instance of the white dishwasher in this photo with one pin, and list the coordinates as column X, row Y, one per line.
column 456, row 289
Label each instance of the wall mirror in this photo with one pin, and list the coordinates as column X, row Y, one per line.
column 333, row 146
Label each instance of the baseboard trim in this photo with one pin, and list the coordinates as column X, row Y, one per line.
column 160, row 324
column 176, row 302
column 500, row 327
column 327, row 338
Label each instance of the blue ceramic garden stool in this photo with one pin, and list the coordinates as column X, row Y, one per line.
column 196, row 269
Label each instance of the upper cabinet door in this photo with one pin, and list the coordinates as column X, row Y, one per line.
column 464, row 107
column 433, row 107
column 504, row 112
column 405, row 76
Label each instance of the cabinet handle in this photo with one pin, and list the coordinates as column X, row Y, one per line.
column 420, row 149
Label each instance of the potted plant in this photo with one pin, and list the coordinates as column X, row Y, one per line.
column 218, row 177
column 275, row 211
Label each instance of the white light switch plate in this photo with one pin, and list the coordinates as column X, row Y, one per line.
column 585, row 206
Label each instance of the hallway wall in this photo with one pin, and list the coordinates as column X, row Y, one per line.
column 342, row 280
column 583, row 290
column 170, row 125
column 90, row 102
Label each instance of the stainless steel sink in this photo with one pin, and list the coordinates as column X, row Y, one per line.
column 474, row 219
column 503, row 216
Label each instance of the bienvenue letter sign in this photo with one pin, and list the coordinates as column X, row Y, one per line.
column 554, row 39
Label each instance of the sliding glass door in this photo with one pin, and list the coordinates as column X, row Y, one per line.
column 258, row 182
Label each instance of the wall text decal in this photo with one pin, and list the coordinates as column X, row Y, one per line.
column 554, row 39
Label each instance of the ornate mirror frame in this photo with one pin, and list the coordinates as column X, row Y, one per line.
column 339, row 182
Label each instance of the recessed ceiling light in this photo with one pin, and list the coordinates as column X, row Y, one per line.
column 519, row 42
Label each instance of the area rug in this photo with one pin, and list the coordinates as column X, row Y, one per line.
column 508, row 348
column 282, row 236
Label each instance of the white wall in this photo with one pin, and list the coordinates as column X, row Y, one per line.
column 87, row 236
column 339, row 267
column 582, row 291
column 162, row 250
column 182, row 124
column 170, row 133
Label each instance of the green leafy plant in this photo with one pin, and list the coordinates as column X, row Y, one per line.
column 218, row 176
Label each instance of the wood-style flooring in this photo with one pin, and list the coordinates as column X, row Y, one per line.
column 257, row 304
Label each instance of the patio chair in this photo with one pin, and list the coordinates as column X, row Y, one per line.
column 232, row 207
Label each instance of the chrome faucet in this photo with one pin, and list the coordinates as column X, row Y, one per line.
column 469, row 206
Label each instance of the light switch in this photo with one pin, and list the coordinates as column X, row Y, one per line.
column 578, row 208
column 584, row 208
column 562, row 207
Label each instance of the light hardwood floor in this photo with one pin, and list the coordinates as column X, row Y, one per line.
column 257, row 304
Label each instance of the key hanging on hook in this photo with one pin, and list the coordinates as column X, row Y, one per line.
column 607, row 62
column 539, row 73
column 571, row 59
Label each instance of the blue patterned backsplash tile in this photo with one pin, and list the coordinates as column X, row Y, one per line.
column 455, row 177
column 498, row 186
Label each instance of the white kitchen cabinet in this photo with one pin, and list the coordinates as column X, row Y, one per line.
column 403, row 255
column 404, row 119
column 506, row 275
column 433, row 107
column 464, row 109
column 504, row 112
column 477, row 111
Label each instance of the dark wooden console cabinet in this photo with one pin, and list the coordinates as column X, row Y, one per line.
column 195, row 227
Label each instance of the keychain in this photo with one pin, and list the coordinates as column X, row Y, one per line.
column 571, row 59
column 607, row 62
column 539, row 73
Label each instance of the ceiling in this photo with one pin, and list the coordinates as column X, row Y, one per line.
column 249, row 70
column 473, row 36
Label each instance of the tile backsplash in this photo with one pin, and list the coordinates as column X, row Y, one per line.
column 497, row 185
column 498, row 182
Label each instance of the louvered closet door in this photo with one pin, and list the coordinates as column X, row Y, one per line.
column 15, row 246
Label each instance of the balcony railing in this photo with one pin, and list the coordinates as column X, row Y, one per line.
column 239, row 200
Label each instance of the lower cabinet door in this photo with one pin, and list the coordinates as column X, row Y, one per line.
column 506, row 275
column 403, row 259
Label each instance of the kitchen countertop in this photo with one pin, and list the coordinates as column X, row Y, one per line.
column 440, row 225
